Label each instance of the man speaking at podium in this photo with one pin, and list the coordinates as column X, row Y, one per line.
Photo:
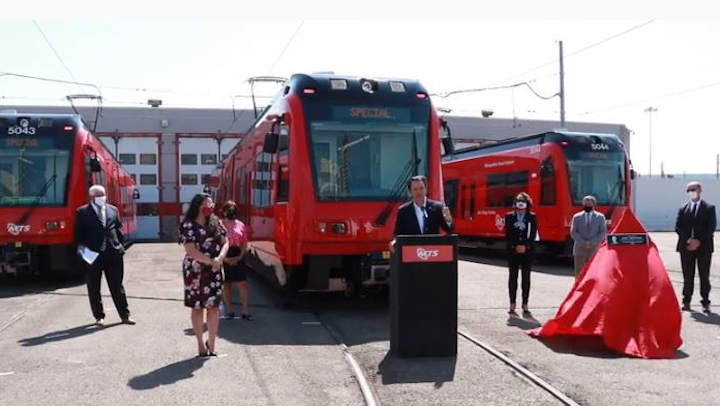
column 421, row 215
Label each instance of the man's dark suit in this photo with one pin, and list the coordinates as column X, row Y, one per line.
column 109, row 242
column 407, row 222
column 700, row 226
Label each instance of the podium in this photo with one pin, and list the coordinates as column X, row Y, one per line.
column 424, row 296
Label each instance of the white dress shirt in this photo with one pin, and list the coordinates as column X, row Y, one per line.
column 101, row 213
column 421, row 214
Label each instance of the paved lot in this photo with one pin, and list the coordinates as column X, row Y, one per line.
column 284, row 357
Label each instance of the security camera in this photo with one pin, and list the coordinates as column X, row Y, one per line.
column 487, row 113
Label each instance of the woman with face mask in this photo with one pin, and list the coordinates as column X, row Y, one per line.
column 520, row 235
column 205, row 245
column 235, row 268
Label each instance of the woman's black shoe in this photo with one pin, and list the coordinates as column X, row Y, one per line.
column 247, row 317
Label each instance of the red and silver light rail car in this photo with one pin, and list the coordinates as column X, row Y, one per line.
column 556, row 168
column 320, row 174
column 47, row 163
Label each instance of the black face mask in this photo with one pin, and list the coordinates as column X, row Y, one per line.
column 588, row 208
column 231, row 215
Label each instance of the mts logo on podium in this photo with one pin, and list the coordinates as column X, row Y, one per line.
column 428, row 253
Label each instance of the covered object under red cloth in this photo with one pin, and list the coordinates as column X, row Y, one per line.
column 624, row 296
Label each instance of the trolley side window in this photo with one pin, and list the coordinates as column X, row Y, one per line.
column 451, row 190
column 547, row 183
column 472, row 200
column 503, row 187
column 283, row 192
column 262, row 182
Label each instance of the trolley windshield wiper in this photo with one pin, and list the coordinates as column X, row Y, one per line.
column 618, row 189
column 36, row 199
column 410, row 168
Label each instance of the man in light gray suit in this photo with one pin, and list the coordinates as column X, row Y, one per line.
column 588, row 229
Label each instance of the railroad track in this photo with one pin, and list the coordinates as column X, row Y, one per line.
column 370, row 394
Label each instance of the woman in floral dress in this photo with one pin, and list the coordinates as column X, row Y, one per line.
column 205, row 249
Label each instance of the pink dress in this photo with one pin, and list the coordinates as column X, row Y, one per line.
column 237, row 237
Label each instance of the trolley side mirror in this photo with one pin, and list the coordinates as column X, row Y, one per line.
column 448, row 145
column 632, row 174
column 136, row 194
column 283, row 142
column 95, row 165
column 272, row 141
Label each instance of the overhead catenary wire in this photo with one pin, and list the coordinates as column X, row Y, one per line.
column 573, row 53
column 57, row 54
column 289, row 42
column 482, row 89
column 651, row 99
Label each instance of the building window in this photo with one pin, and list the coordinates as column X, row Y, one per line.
column 224, row 156
column 148, row 159
column 208, row 159
column 188, row 159
column 188, row 179
column 148, row 179
column 147, row 209
column 204, row 179
column 127, row 159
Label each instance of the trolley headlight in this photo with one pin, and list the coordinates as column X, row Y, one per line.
column 52, row 225
column 55, row 225
column 335, row 227
column 339, row 228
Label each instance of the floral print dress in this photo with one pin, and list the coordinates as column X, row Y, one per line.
column 203, row 285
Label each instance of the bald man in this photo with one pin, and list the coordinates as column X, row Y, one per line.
column 98, row 229
column 695, row 226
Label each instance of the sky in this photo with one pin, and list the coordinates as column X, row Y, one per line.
column 614, row 69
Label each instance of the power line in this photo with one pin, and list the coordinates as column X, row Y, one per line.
column 693, row 89
column 280, row 55
column 55, row 51
column 286, row 46
column 578, row 51
column 75, row 82
column 482, row 89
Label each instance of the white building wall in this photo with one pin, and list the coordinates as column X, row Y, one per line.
column 198, row 159
column 657, row 200
column 140, row 157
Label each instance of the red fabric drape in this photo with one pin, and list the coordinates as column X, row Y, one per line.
column 623, row 295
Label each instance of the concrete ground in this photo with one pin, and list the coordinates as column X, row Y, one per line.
column 51, row 353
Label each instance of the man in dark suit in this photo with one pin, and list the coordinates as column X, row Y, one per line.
column 98, row 230
column 695, row 225
column 421, row 215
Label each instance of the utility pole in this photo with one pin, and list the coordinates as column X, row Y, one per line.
column 562, row 87
column 650, row 110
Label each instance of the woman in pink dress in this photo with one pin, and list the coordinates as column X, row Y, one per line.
column 235, row 268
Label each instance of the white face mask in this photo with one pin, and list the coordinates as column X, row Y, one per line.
column 693, row 195
column 521, row 205
column 100, row 200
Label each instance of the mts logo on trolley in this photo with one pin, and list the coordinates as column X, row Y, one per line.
column 428, row 253
column 16, row 229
